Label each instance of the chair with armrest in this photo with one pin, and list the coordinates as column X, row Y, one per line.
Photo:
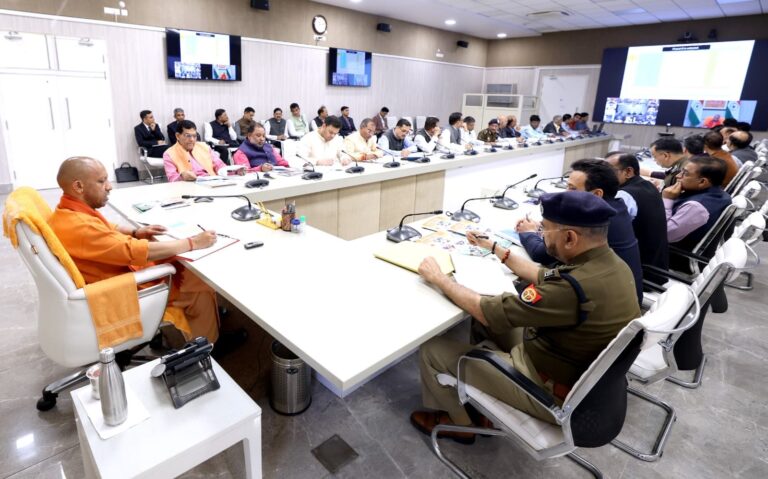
column 64, row 327
column 751, row 232
column 730, row 258
column 149, row 162
column 714, row 238
column 738, row 181
column 591, row 415
column 674, row 312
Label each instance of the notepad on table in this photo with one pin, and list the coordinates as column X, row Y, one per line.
column 214, row 181
column 483, row 275
column 409, row 255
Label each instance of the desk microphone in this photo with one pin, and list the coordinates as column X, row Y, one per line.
column 257, row 183
column 507, row 203
column 404, row 233
column 562, row 183
column 448, row 154
column 536, row 192
column 353, row 169
column 463, row 214
column 311, row 174
column 392, row 164
column 244, row 213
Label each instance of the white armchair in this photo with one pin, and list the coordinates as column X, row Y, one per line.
column 65, row 329
column 149, row 162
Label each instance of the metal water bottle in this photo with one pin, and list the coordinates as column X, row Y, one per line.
column 114, row 404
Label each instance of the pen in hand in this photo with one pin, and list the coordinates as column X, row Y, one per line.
column 201, row 228
column 481, row 236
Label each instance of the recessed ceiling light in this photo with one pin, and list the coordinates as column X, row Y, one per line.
column 450, row 21
column 355, row 1
column 501, row 35
column 725, row 2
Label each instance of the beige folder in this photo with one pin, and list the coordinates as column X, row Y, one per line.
column 409, row 255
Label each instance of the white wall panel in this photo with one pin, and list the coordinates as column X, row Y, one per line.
column 275, row 75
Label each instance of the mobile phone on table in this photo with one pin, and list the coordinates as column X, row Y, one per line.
column 253, row 244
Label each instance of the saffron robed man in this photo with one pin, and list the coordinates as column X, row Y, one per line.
column 189, row 158
column 551, row 331
column 103, row 250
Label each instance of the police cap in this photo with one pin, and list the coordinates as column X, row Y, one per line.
column 576, row 208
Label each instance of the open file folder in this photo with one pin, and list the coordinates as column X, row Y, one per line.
column 409, row 255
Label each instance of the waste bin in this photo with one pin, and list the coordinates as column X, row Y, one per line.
column 291, row 382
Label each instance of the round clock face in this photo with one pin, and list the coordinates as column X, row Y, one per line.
column 319, row 24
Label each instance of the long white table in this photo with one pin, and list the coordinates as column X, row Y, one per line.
column 346, row 313
column 355, row 205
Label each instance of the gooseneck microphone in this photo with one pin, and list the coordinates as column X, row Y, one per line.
column 507, row 203
column 392, row 164
column 353, row 169
column 463, row 214
column 259, row 182
column 309, row 174
column 404, row 233
column 536, row 192
column 562, row 183
column 244, row 213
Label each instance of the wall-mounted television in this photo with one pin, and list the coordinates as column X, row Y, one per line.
column 692, row 85
column 349, row 67
column 202, row 55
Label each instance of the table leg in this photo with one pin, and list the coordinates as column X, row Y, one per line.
column 252, row 450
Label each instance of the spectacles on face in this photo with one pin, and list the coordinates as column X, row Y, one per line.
column 687, row 174
column 189, row 136
column 540, row 232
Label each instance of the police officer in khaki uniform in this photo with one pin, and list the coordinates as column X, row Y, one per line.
column 550, row 332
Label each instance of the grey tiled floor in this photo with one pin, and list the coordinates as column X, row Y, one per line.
column 722, row 428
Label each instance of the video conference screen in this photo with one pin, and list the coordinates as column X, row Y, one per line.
column 693, row 85
column 202, row 56
column 349, row 67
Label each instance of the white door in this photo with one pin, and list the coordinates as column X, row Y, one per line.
column 87, row 120
column 32, row 129
column 561, row 94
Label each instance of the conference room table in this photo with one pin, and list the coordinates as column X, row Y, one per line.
column 346, row 313
column 354, row 205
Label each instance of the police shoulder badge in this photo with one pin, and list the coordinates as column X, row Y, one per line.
column 529, row 295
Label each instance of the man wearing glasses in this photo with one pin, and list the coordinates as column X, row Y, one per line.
column 189, row 158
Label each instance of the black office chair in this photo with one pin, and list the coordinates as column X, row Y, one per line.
column 591, row 415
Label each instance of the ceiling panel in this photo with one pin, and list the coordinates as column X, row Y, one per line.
column 486, row 18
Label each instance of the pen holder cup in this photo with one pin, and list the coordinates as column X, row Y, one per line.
column 285, row 221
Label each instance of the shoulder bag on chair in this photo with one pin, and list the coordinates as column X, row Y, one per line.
column 126, row 173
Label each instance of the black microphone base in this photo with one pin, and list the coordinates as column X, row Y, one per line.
column 403, row 233
column 417, row 159
column 536, row 193
column 246, row 213
column 355, row 169
column 449, row 156
column 260, row 183
column 391, row 164
column 312, row 175
column 467, row 215
column 505, row 204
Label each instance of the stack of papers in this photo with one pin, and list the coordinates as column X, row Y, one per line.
column 486, row 276
column 214, row 181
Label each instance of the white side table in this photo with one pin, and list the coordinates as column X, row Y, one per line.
column 173, row 441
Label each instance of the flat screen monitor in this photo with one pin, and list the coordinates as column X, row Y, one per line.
column 691, row 84
column 631, row 111
column 349, row 67
column 202, row 55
